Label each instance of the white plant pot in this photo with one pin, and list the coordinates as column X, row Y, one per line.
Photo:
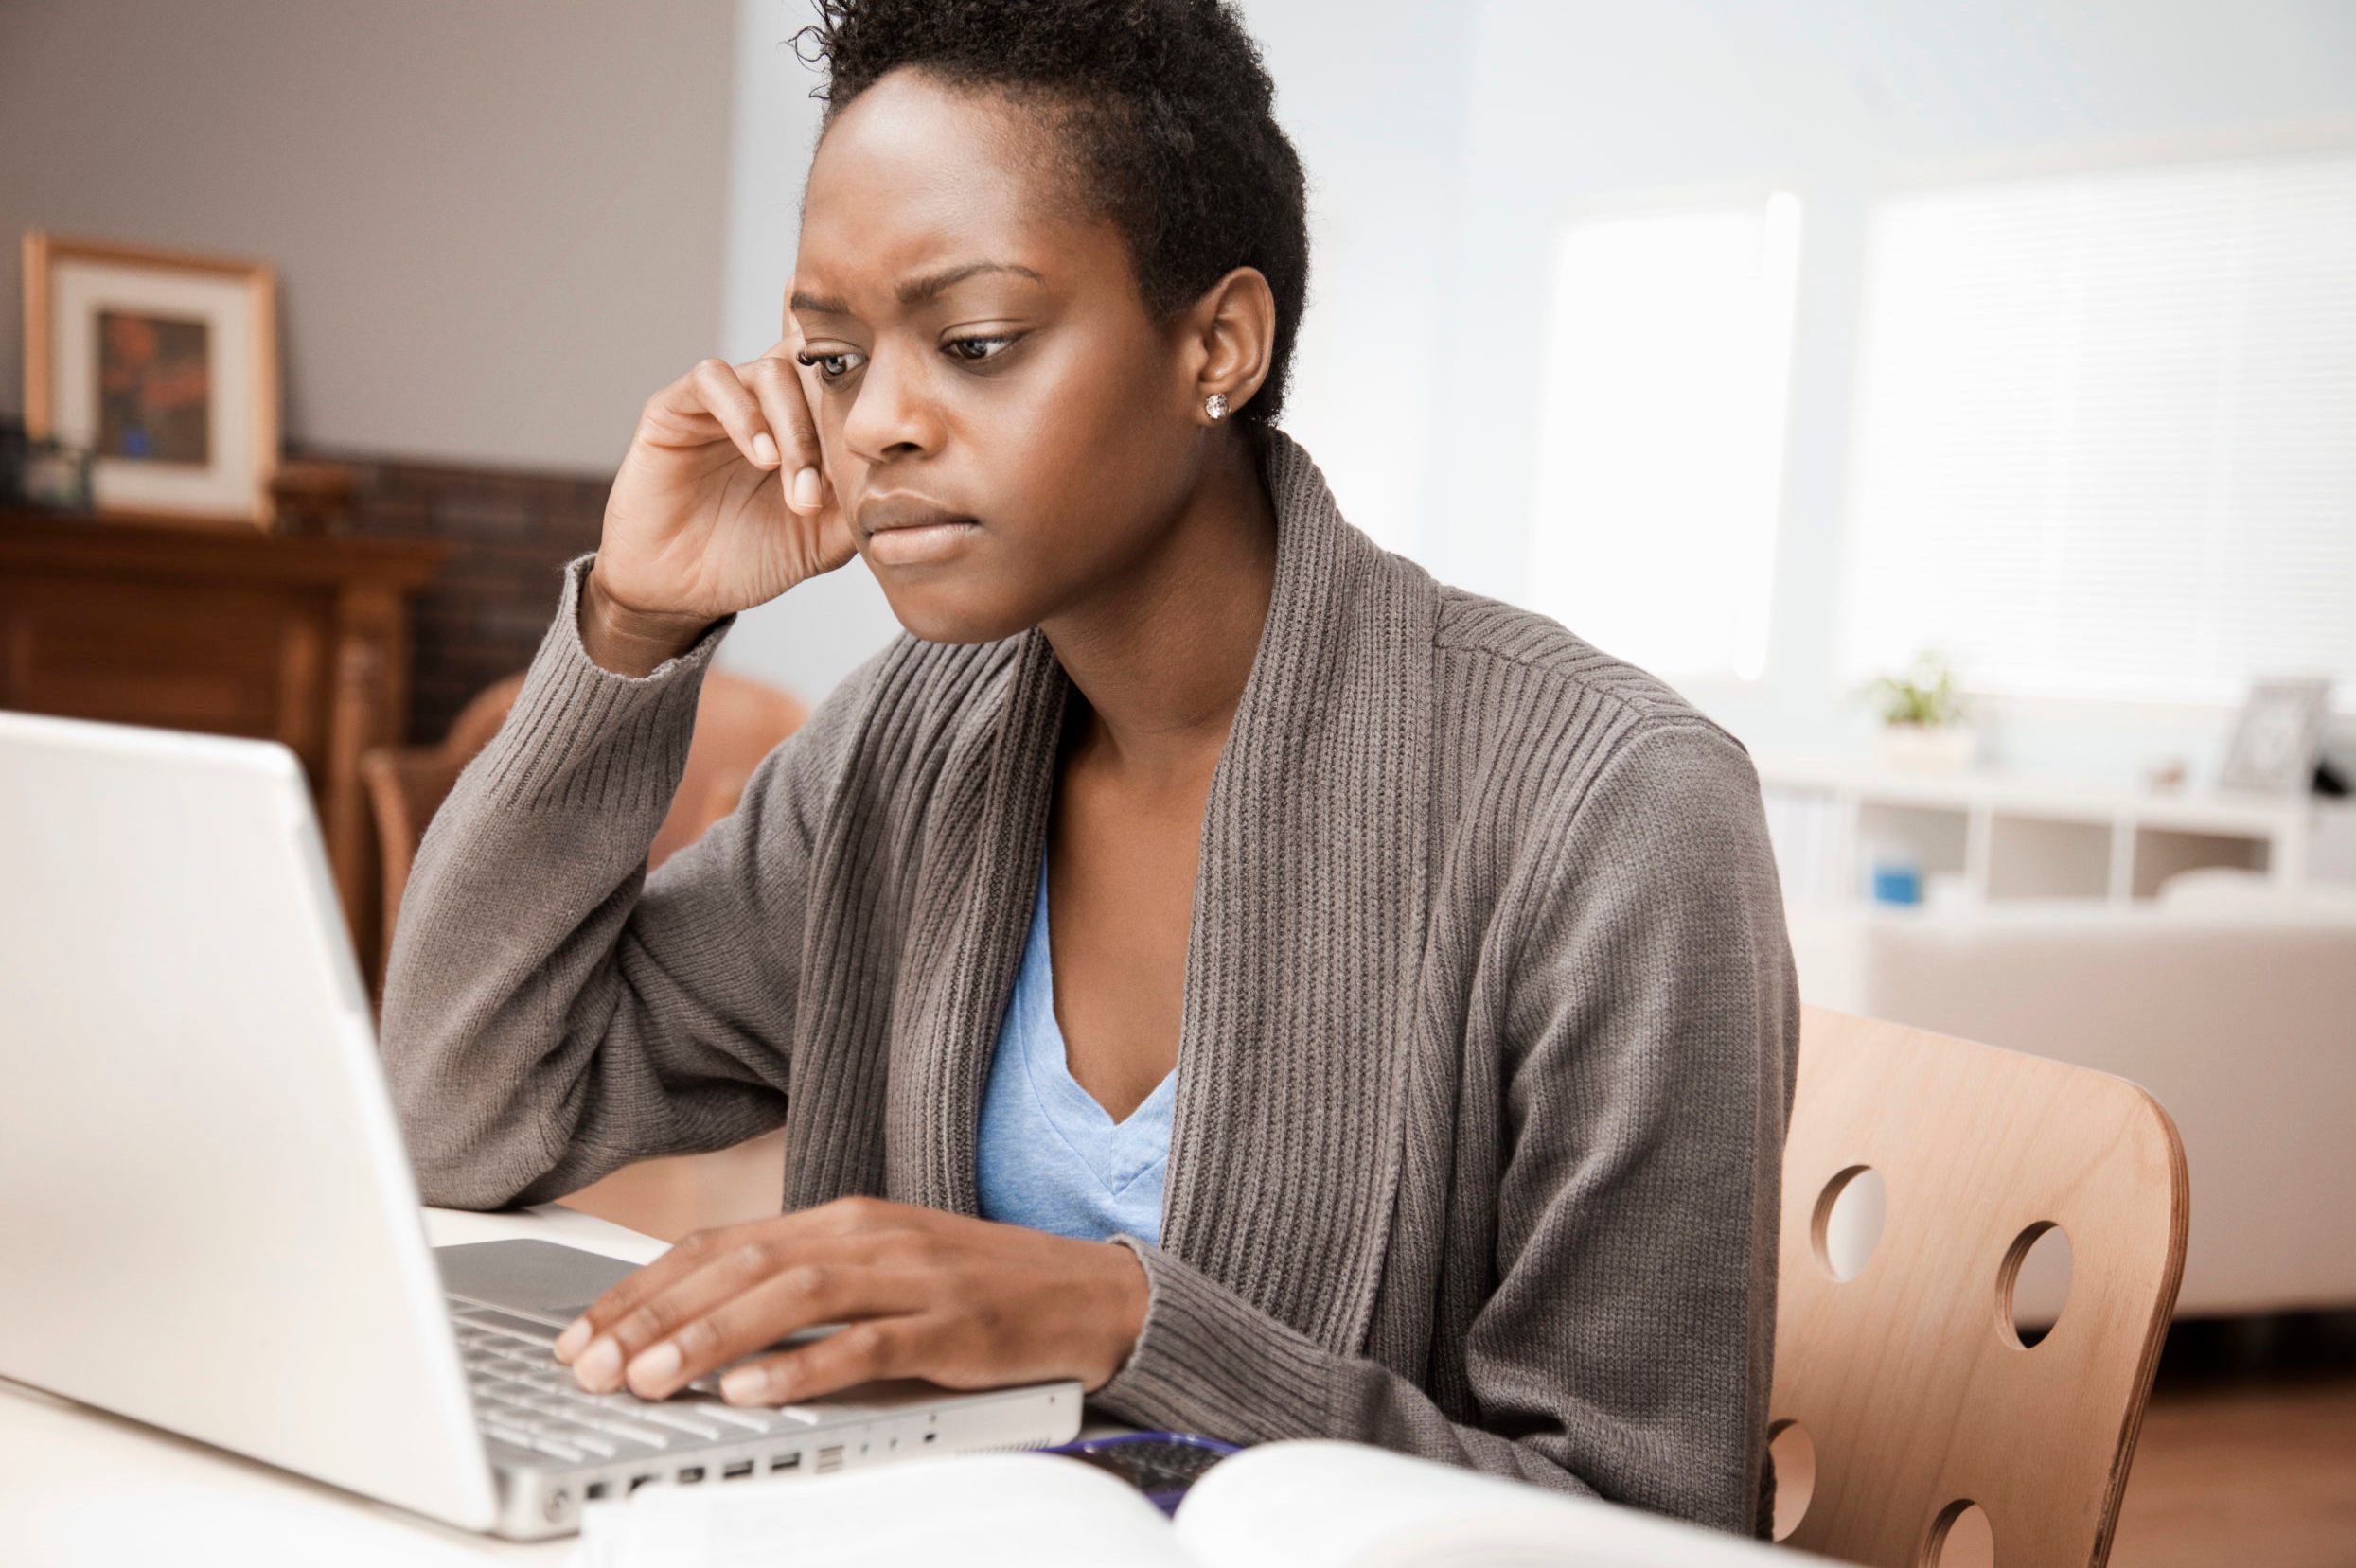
column 1929, row 748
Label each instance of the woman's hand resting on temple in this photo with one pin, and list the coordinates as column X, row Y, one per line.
column 966, row 1303
column 722, row 502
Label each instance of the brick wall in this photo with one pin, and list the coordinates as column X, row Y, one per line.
column 510, row 531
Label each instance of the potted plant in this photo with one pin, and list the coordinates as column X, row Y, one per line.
column 1924, row 726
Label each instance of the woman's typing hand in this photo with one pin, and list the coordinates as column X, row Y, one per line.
column 722, row 502
column 966, row 1303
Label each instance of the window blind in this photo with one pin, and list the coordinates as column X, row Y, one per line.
column 2104, row 442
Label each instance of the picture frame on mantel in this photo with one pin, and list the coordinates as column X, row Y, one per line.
column 162, row 364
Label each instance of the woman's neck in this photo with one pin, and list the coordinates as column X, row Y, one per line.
column 1160, row 664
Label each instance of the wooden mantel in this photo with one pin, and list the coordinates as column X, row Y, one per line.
column 302, row 640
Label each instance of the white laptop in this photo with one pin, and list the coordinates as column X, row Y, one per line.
column 207, row 1216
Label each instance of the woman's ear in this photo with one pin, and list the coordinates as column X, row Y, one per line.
column 1231, row 338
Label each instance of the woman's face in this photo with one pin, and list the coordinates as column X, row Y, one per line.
column 1031, row 392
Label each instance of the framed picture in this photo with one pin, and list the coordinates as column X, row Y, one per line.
column 164, row 366
column 2277, row 738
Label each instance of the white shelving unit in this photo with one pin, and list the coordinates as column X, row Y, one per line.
column 1986, row 836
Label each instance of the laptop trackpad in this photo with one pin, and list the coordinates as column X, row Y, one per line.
column 538, row 1278
column 547, row 1281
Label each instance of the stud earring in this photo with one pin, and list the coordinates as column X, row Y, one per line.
column 1216, row 405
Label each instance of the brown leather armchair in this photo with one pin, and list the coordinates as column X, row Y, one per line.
column 738, row 721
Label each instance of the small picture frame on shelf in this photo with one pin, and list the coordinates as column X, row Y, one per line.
column 2277, row 736
column 164, row 366
column 42, row 476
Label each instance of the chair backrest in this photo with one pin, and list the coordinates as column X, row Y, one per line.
column 406, row 785
column 485, row 712
column 1907, row 1379
column 738, row 721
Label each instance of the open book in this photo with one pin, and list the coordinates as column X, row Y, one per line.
column 1287, row 1505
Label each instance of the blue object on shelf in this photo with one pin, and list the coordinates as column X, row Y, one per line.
column 1897, row 882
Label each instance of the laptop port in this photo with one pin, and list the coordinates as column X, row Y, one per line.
column 638, row 1481
column 785, row 1461
column 741, row 1468
column 830, row 1458
column 597, row 1489
column 693, row 1472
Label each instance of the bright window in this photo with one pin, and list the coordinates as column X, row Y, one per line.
column 1661, row 435
column 2105, row 432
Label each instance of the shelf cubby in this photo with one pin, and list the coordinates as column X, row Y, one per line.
column 1995, row 837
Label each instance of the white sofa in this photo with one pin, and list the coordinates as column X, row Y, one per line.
column 2237, row 1011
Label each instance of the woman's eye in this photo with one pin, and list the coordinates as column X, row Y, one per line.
column 821, row 361
column 976, row 358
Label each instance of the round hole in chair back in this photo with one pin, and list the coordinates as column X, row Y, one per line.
column 1960, row 1537
column 1848, row 1222
column 1793, row 1453
column 2033, row 1283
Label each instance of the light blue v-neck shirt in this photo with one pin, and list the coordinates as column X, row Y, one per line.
column 1049, row 1155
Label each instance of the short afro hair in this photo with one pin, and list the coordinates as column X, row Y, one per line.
column 1161, row 111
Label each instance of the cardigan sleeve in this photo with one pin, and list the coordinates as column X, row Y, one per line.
column 551, row 1011
column 1652, row 1029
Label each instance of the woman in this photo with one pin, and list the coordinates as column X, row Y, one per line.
column 1203, row 956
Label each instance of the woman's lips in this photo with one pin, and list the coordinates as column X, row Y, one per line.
column 904, row 528
column 908, row 546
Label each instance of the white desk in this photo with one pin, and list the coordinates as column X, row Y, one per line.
column 81, row 1487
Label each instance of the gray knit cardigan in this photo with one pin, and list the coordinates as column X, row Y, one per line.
column 1489, row 1026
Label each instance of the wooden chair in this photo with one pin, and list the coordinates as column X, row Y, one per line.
column 738, row 722
column 1915, row 1397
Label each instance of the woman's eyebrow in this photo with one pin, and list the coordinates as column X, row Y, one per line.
column 915, row 291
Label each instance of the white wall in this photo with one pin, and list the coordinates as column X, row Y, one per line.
column 497, row 227
column 1582, row 101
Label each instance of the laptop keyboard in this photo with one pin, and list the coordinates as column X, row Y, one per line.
column 526, row 1398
